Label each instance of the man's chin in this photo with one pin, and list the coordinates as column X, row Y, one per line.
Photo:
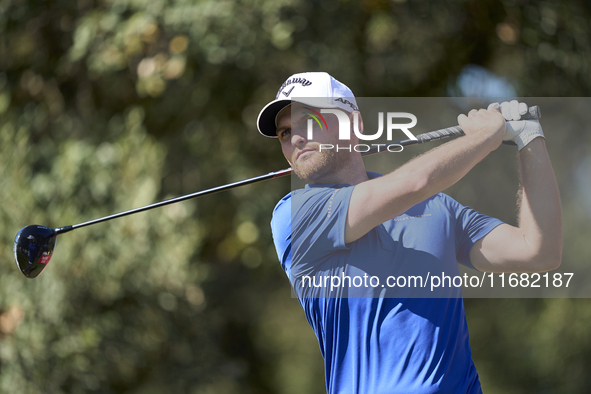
column 310, row 170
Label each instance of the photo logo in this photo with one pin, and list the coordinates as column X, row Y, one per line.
column 345, row 128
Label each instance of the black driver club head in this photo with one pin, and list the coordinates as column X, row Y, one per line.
column 33, row 248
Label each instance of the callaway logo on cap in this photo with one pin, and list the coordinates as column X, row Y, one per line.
column 317, row 89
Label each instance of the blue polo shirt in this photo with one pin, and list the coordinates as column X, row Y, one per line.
column 377, row 338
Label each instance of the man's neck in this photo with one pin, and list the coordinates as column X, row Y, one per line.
column 352, row 174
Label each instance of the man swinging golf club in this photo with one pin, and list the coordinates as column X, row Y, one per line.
column 349, row 223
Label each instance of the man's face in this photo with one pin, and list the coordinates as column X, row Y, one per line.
column 307, row 160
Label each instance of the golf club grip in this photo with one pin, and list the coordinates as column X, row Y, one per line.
column 533, row 112
column 439, row 134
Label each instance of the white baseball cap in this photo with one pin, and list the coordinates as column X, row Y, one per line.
column 317, row 89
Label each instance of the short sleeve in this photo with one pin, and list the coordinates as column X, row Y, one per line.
column 281, row 229
column 318, row 217
column 470, row 226
column 315, row 229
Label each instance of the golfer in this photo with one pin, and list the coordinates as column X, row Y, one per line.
column 348, row 222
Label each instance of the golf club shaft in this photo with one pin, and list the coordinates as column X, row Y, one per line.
column 202, row 193
column 421, row 138
column 534, row 113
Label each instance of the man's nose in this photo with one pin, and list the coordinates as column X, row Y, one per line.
column 298, row 140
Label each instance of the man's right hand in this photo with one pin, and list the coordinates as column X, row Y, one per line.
column 489, row 124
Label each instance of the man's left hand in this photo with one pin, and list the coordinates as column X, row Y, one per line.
column 520, row 132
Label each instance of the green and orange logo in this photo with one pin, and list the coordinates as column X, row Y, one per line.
column 317, row 117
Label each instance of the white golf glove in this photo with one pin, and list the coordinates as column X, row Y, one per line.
column 521, row 132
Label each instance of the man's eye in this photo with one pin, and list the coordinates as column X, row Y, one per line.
column 285, row 133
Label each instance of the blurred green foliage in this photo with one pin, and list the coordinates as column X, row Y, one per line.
column 112, row 104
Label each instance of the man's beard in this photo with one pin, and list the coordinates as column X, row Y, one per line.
column 321, row 164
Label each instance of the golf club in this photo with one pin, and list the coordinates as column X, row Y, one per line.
column 34, row 244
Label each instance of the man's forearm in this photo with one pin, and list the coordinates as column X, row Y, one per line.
column 378, row 200
column 540, row 213
column 443, row 166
